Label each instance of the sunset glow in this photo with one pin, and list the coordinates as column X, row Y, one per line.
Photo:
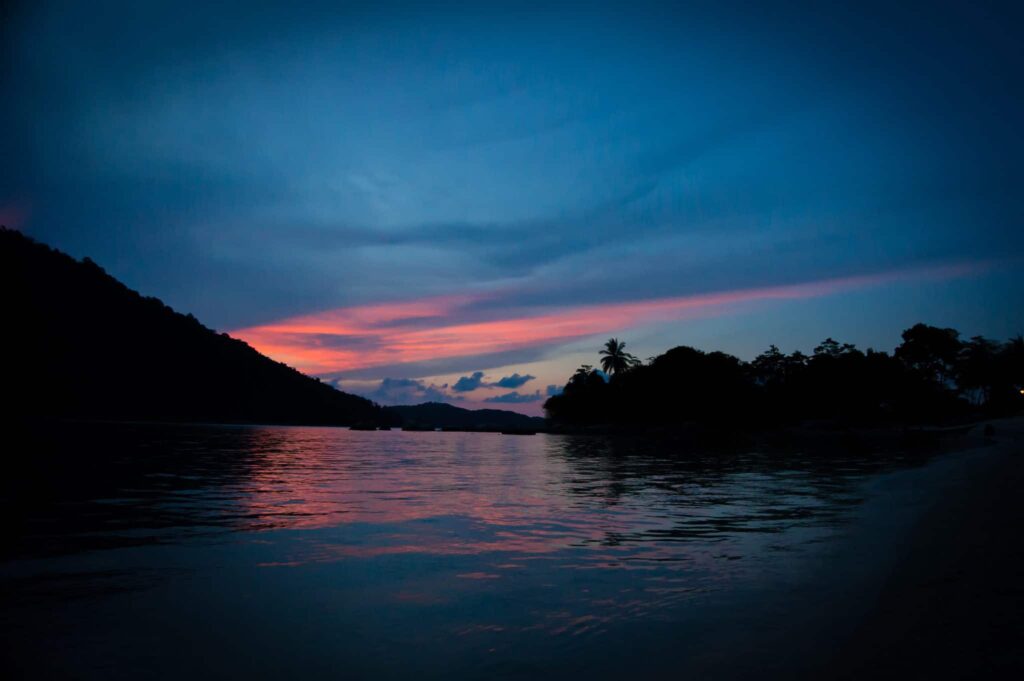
column 411, row 331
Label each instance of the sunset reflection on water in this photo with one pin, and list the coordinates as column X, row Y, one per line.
column 530, row 496
column 403, row 539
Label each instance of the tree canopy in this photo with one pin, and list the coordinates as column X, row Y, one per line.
column 931, row 376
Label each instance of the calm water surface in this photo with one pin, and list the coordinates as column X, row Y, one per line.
column 159, row 552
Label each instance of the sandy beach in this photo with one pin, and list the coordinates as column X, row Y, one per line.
column 950, row 605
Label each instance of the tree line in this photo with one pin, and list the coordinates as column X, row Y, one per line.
column 932, row 376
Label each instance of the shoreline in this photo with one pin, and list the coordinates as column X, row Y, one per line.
column 950, row 600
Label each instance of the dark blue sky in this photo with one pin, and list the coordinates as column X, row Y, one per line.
column 263, row 162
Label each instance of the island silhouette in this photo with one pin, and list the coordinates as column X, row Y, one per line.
column 932, row 377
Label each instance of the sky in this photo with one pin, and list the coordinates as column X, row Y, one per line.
column 434, row 201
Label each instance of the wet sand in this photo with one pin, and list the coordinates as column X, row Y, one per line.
column 952, row 603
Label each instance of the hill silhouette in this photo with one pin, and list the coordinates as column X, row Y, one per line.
column 440, row 415
column 80, row 344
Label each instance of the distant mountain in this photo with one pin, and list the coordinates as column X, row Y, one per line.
column 77, row 343
column 440, row 415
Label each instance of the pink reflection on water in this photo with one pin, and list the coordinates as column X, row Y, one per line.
column 507, row 501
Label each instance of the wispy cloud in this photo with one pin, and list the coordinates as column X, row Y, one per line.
column 405, row 332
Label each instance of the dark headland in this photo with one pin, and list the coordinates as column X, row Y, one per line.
column 79, row 344
column 82, row 345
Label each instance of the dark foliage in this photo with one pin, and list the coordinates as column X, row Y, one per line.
column 932, row 376
column 79, row 344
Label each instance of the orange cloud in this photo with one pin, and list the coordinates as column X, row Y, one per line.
column 435, row 328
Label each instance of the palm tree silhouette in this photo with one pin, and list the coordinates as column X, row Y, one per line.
column 615, row 359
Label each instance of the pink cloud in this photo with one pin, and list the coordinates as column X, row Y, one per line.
column 389, row 334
